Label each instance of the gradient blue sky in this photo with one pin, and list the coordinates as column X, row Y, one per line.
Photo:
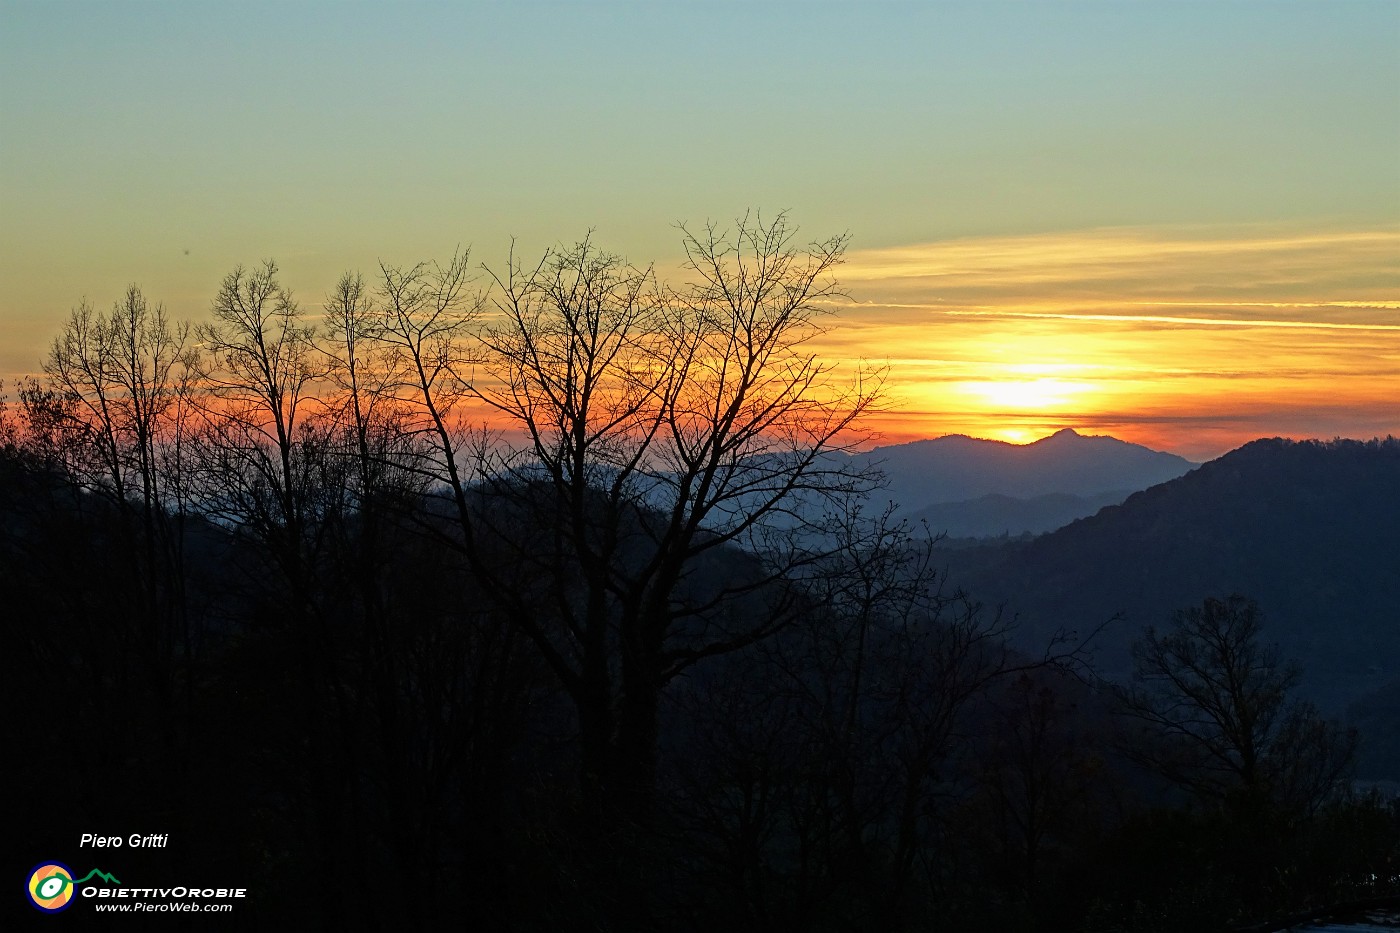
column 331, row 135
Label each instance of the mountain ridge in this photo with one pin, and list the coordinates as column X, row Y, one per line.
column 996, row 514
column 956, row 468
column 1309, row 529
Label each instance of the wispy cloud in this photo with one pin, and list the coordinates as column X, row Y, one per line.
column 1248, row 255
column 1198, row 338
column 1171, row 319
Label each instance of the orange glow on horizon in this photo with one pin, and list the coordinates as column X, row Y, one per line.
column 1193, row 341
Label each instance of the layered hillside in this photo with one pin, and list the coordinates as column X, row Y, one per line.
column 1310, row 530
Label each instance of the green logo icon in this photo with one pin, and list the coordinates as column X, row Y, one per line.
column 51, row 887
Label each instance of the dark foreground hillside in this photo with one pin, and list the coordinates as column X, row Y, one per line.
column 401, row 759
column 1310, row 530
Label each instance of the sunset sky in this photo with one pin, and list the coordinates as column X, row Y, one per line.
column 1173, row 222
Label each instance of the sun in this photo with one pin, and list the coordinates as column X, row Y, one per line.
column 1026, row 394
column 1014, row 435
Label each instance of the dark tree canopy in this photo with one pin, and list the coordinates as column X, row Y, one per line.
column 1219, row 698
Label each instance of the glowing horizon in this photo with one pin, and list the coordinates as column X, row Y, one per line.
column 1015, row 337
column 1174, row 223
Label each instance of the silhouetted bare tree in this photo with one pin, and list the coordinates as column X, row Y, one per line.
column 264, row 469
column 659, row 426
column 1217, row 699
column 125, row 378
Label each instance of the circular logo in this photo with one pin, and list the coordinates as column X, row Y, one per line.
column 51, row 887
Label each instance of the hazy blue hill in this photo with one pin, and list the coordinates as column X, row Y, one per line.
column 1377, row 716
column 995, row 514
column 1310, row 530
column 957, row 468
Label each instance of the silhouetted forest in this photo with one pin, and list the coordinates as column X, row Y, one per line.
column 636, row 655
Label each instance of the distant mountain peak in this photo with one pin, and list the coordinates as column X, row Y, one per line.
column 1062, row 436
column 957, row 468
column 1308, row 528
